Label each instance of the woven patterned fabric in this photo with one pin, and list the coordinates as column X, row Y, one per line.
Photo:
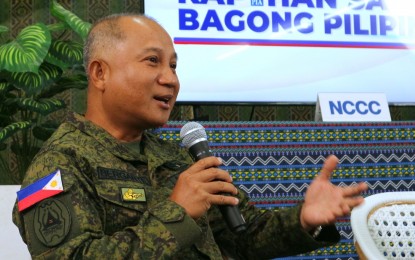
column 274, row 162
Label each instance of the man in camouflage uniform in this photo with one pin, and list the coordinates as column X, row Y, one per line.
column 129, row 195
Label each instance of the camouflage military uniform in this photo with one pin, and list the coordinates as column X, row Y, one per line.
column 115, row 206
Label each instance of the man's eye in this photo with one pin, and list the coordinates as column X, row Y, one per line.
column 153, row 59
column 173, row 66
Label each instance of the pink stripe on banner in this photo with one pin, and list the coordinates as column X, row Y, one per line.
column 36, row 197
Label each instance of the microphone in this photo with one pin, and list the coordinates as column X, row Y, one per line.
column 194, row 137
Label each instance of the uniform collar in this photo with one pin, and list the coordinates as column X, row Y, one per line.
column 154, row 151
column 113, row 145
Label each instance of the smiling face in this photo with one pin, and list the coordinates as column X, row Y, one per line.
column 134, row 81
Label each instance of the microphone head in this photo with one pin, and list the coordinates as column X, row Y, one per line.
column 192, row 133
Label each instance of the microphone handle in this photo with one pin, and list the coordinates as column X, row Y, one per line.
column 231, row 214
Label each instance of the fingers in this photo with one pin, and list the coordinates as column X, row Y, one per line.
column 346, row 209
column 328, row 167
column 214, row 174
column 206, row 170
column 355, row 190
column 207, row 163
column 353, row 202
column 352, row 197
column 349, row 204
column 224, row 200
column 216, row 187
column 208, row 182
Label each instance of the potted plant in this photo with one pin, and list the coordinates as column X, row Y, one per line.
column 34, row 68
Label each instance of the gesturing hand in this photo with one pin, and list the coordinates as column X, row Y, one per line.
column 324, row 202
column 202, row 185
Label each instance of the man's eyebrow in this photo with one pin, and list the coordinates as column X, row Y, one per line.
column 154, row 49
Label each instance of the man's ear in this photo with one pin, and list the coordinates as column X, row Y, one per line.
column 98, row 73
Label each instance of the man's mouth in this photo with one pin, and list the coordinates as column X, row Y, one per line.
column 164, row 99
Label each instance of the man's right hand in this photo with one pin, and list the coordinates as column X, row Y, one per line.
column 203, row 185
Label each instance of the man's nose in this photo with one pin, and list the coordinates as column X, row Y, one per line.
column 168, row 77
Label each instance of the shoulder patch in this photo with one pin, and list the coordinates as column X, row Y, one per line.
column 51, row 222
column 46, row 187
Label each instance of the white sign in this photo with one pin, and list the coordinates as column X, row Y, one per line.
column 373, row 40
column 352, row 107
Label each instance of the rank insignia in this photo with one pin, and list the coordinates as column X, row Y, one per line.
column 132, row 195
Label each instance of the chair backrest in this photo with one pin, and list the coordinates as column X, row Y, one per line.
column 11, row 244
column 384, row 226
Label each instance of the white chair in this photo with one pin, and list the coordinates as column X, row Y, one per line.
column 384, row 226
column 11, row 244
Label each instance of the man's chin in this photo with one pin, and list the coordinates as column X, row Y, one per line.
column 159, row 123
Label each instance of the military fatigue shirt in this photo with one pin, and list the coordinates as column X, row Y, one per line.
column 115, row 205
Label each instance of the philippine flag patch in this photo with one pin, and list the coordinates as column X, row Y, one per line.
column 46, row 187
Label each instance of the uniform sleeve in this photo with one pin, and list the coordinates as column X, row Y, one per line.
column 75, row 223
column 270, row 233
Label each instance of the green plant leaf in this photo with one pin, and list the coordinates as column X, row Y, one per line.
column 4, row 120
column 35, row 82
column 41, row 106
column 45, row 130
column 75, row 81
column 3, row 28
column 65, row 53
column 20, row 151
column 4, row 86
column 73, row 21
column 59, row 26
column 12, row 129
column 3, row 146
column 7, row 110
column 27, row 51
